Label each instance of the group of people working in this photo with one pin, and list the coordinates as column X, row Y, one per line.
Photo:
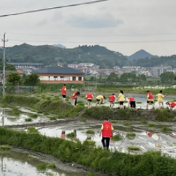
column 121, row 98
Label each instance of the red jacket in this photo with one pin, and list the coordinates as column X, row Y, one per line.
column 172, row 104
column 74, row 95
column 89, row 96
column 150, row 95
column 112, row 98
column 107, row 129
column 131, row 99
column 63, row 90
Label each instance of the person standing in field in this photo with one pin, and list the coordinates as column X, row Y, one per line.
column 132, row 102
column 150, row 99
column 112, row 100
column 160, row 97
column 100, row 99
column 89, row 98
column 74, row 97
column 63, row 92
column 106, row 132
column 121, row 98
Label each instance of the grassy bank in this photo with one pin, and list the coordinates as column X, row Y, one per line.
column 121, row 164
column 55, row 106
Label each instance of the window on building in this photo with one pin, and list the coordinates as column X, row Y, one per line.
column 61, row 77
column 74, row 78
column 55, row 78
column 48, row 77
column 80, row 78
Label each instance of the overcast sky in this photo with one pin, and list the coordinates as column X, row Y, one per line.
column 125, row 26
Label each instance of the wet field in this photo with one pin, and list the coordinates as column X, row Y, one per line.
column 148, row 137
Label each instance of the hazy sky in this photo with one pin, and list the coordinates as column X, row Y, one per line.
column 125, row 26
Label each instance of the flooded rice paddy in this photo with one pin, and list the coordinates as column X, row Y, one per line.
column 13, row 163
column 149, row 136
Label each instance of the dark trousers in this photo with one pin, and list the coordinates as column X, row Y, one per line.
column 105, row 142
column 133, row 104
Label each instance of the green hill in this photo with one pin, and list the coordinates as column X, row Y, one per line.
column 99, row 55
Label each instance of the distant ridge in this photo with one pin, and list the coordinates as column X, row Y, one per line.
column 141, row 54
column 59, row 45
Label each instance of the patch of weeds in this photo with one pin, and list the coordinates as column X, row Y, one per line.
column 46, row 113
column 113, row 121
column 33, row 115
column 28, row 120
column 61, row 117
column 32, row 130
column 166, row 129
column 42, row 166
column 90, row 132
column 116, row 138
column 83, row 120
column 164, row 115
column 138, row 102
column 136, row 148
column 144, row 121
column 90, row 174
column 39, row 112
column 53, row 118
column 16, row 111
column 71, row 135
column 130, row 135
column 4, row 105
column 51, row 165
column 151, row 125
column 5, row 147
column 127, row 124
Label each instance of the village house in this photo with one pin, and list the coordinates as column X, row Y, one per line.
column 59, row 75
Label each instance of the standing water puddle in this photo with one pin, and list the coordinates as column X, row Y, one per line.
column 19, row 164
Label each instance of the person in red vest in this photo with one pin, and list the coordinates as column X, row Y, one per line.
column 112, row 100
column 149, row 99
column 106, row 132
column 132, row 102
column 63, row 92
column 171, row 104
column 74, row 97
column 89, row 98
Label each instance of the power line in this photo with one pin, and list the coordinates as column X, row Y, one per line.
column 146, row 41
column 83, row 35
column 52, row 8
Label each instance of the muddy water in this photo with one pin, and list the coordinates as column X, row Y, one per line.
column 147, row 138
column 19, row 164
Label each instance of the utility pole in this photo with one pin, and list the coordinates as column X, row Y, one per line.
column 3, row 61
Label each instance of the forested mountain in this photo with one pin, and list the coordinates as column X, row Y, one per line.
column 140, row 55
column 51, row 55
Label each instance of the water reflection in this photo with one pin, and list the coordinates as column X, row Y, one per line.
column 15, row 164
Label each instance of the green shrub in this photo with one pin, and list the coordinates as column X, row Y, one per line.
column 5, row 147
column 151, row 125
column 33, row 115
column 28, row 119
column 90, row 132
column 166, row 129
column 42, row 166
column 113, row 121
column 32, row 130
column 164, row 115
column 133, row 148
column 144, row 121
column 83, row 120
column 51, row 165
column 71, row 135
column 116, row 138
column 130, row 135
column 127, row 124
